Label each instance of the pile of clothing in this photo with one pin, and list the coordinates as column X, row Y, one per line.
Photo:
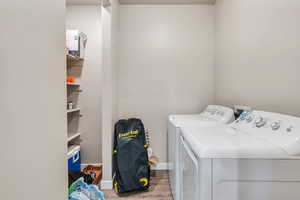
column 88, row 177
column 79, row 190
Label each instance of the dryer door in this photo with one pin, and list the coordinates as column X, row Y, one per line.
column 189, row 173
column 173, row 159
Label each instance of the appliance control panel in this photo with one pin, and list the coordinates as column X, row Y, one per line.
column 277, row 129
column 219, row 113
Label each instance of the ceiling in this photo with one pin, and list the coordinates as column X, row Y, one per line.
column 97, row 2
column 83, row 2
column 167, row 1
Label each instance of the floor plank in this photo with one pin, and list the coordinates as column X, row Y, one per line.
column 159, row 189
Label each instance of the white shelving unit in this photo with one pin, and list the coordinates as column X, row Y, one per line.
column 73, row 84
column 74, row 69
column 73, row 58
column 73, row 136
column 73, row 110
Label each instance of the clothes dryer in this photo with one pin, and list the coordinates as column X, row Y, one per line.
column 211, row 115
column 255, row 157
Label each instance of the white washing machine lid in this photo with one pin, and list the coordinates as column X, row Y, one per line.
column 222, row 141
column 190, row 120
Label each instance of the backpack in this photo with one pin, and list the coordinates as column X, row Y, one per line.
column 131, row 169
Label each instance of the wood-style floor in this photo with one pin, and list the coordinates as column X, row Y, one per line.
column 159, row 189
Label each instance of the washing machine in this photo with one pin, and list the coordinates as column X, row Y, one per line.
column 257, row 157
column 211, row 115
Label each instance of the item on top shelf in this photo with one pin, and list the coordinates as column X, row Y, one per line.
column 70, row 79
column 76, row 42
column 70, row 105
column 74, row 158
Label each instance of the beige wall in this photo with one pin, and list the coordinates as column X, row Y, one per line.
column 258, row 54
column 115, row 31
column 88, row 20
column 166, row 64
column 33, row 144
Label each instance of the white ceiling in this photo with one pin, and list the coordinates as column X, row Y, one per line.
column 97, row 2
column 167, row 1
column 83, row 2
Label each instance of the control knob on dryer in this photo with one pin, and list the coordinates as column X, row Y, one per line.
column 259, row 122
column 289, row 129
column 275, row 125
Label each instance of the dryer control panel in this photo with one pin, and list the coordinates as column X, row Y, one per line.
column 219, row 113
column 277, row 129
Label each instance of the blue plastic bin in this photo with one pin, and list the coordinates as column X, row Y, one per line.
column 74, row 160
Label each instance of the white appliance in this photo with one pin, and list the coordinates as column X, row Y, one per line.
column 257, row 157
column 212, row 114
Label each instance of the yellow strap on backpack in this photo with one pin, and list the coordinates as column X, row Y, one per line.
column 116, row 187
column 145, row 181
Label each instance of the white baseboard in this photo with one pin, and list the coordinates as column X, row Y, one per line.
column 106, row 184
column 83, row 165
column 160, row 166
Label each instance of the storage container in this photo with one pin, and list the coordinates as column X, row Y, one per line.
column 74, row 158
